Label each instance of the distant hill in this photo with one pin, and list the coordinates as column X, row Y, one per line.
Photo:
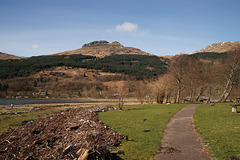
column 139, row 66
column 220, row 47
column 5, row 56
column 103, row 48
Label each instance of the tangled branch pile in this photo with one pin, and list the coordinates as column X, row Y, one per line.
column 70, row 134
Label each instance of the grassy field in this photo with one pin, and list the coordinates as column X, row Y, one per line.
column 219, row 129
column 144, row 126
column 8, row 122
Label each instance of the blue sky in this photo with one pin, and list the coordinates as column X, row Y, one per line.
column 160, row 27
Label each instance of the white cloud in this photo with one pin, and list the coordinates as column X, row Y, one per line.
column 35, row 46
column 127, row 27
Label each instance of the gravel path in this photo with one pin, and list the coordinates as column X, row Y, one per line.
column 180, row 141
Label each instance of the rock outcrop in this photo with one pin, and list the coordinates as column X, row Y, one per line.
column 96, row 43
column 104, row 48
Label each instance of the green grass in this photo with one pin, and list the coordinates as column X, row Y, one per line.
column 13, row 121
column 219, row 129
column 130, row 122
column 8, row 110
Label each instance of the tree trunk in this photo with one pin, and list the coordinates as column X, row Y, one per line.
column 200, row 93
column 167, row 98
column 120, row 102
column 210, row 95
column 233, row 71
column 191, row 92
column 226, row 88
column 178, row 94
column 229, row 92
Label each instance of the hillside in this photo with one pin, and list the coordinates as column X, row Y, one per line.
column 103, row 48
column 5, row 56
column 76, row 75
column 220, row 47
column 209, row 56
column 140, row 66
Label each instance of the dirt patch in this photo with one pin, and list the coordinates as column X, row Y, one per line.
column 69, row 134
column 169, row 150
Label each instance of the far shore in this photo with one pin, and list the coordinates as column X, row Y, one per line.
column 64, row 101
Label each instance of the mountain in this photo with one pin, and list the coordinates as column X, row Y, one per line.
column 220, row 47
column 5, row 56
column 97, row 55
column 104, row 48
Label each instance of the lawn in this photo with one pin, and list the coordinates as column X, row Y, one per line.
column 144, row 126
column 219, row 129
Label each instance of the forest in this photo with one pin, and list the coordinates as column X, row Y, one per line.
column 140, row 66
column 213, row 56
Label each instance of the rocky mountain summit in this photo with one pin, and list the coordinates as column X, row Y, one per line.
column 104, row 48
column 220, row 47
column 5, row 56
column 101, row 43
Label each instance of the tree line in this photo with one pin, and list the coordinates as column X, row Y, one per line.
column 191, row 77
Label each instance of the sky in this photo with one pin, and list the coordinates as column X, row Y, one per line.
column 161, row 27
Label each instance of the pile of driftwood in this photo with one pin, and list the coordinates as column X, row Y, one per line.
column 70, row 134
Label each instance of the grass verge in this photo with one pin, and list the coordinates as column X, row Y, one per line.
column 219, row 129
column 144, row 126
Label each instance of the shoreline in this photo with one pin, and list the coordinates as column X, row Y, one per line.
column 62, row 101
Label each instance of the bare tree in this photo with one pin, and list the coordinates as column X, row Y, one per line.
column 192, row 76
column 163, row 88
column 178, row 70
column 231, row 69
column 121, row 91
column 140, row 91
column 202, row 78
